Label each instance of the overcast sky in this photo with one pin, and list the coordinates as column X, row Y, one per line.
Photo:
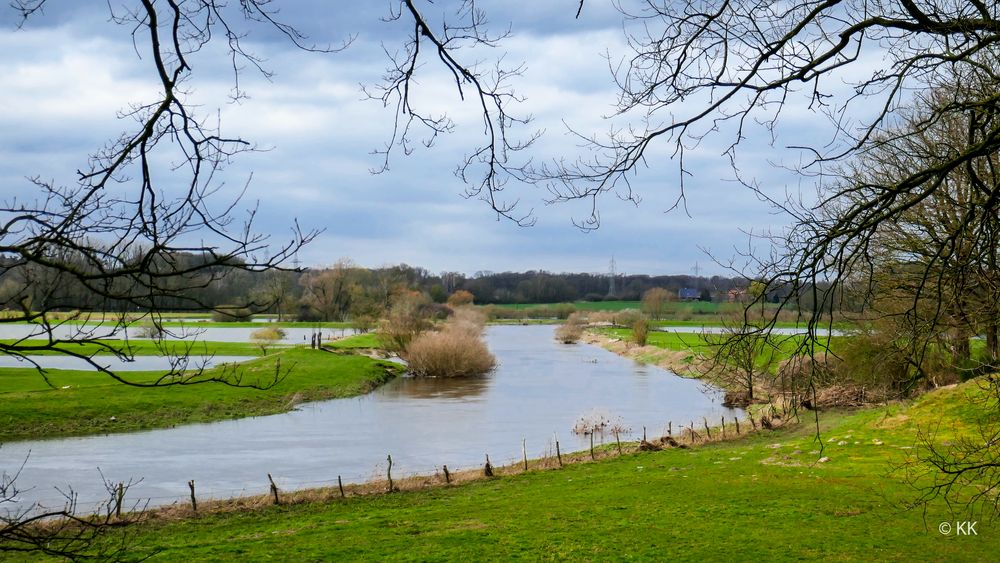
column 69, row 70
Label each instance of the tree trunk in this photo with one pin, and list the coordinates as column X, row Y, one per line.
column 992, row 343
column 961, row 347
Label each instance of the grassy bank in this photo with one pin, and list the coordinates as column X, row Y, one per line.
column 75, row 403
column 763, row 497
column 678, row 351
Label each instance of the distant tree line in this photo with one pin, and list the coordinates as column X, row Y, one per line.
column 346, row 290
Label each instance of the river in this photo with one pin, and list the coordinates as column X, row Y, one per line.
column 539, row 391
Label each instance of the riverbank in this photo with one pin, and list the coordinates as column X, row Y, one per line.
column 77, row 403
column 773, row 495
column 678, row 353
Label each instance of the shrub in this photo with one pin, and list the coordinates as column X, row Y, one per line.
column 569, row 333
column 468, row 320
column 231, row 314
column 563, row 310
column 640, row 330
column 404, row 321
column 655, row 300
column 880, row 358
column 267, row 336
column 460, row 298
column 626, row 317
column 451, row 352
column 435, row 311
column 150, row 329
column 363, row 323
column 601, row 317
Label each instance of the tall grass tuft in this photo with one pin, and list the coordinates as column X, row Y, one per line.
column 640, row 330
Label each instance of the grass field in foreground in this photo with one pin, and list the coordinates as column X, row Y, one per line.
column 761, row 498
column 76, row 402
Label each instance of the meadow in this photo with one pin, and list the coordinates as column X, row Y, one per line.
column 73, row 403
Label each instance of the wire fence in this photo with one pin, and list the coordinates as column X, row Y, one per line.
column 383, row 476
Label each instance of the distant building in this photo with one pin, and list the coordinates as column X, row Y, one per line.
column 688, row 294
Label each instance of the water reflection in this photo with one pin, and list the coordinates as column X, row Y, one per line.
column 458, row 388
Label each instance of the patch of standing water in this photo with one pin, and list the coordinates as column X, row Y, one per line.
column 139, row 363
column 539, row 391
column 207, row 334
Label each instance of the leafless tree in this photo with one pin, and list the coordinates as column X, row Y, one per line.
column 143, row 225
column 63, row 532
column 451, row 43
column 132, row 234
column 741, row 358
column 963, row 472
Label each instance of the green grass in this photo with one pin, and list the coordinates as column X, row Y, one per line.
column 30, row 407
column 677, row 341
column 761, row 498
column 367, row 340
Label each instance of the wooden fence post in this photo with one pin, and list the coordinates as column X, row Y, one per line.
column 524, row 454
column 389, row 471
column 447, row 476
column 737, row 420
column 119, row 496
column 488, row 468
column 558, row 454
column 707, row 431
column 194, row 501
column 274, row 489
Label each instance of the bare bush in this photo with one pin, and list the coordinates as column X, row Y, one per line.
column 626, row 317
column 460, row 298
column 742, row 359
column 572, row 330
column 266, row 337
column 655, row 300
column 880, row 357
column 150, row 329
column 640, row 330
column 569, row 333
column 468, row 319
column 601, row 317
column 405, row 320
column 451, row 352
